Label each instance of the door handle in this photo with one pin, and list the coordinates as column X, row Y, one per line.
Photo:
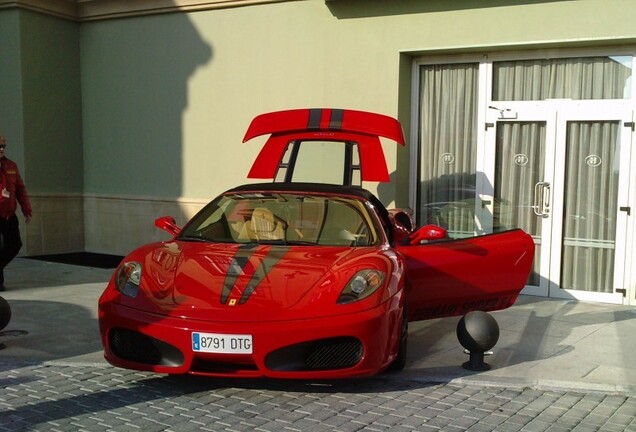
column 541, row 200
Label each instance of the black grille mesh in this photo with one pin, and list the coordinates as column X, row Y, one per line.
column 322, row 354
column 334, row 354
column 134, row 346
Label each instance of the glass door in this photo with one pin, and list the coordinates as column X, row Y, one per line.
column 589, row 241
column 517, row 190
column 560, row 171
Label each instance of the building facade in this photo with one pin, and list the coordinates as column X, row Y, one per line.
column 517, row 114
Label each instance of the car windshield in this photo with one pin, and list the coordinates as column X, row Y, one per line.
column 283, row 218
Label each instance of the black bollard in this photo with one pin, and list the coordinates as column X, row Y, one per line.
column 478, row 332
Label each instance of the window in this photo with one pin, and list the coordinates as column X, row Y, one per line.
column 451, row 105
column 448, row 146
column 330, row 162
column 606, row 77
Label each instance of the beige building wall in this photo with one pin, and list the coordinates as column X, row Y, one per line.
column 166, row 98
column 40, row 115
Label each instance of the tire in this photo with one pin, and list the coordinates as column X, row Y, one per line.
column 400, row 360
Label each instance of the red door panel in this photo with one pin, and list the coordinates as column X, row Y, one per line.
column 453, row 277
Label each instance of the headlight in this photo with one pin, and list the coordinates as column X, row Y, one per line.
column 362, row 285
column 128, row 278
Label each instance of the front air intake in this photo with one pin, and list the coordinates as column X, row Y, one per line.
column 137, row 347
column 334, row 354
column 322, row 354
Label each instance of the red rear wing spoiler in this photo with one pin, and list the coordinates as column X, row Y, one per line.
column 325, row 124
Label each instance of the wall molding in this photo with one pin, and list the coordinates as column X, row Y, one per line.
column 95, row 10
column 103, row 223
column 139, row 198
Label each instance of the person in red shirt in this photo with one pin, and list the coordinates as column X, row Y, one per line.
column 12, row 192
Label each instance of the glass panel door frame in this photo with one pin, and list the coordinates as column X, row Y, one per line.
column 520, row 112
column 597, row 111
column 556, row 115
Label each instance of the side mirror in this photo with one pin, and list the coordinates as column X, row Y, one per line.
column 402, row 219
column 428, row 233
column 402, row 224
column 167, row 223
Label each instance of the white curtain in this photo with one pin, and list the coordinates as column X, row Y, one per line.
column 591, row 201
column 519, row 167
column 566, row 78
column 591, row 175
column 448, row 122
column 447, row 162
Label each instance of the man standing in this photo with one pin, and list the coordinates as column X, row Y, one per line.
column 12, row 192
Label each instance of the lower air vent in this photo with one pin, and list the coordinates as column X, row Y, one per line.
column 134, row 346
column 335, row 354
column 203, row 366
column 323, row 354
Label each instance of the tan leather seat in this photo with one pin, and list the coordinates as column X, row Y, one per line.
column 264, row 225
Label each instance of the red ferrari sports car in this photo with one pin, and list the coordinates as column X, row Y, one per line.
column 302, row 280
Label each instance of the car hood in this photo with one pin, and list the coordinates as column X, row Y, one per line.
column 264, row 282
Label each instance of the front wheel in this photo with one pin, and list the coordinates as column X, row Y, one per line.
column 400, row 360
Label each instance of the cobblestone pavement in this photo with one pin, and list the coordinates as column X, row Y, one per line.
column 559, row 366
column 89, row 397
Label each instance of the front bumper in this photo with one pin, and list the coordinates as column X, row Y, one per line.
column 359, row 344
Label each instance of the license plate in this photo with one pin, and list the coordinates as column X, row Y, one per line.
column 221, row 343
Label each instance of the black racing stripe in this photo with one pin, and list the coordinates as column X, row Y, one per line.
column 336, row 119
column 238, row 264
column 314, row 118
column 269, row 262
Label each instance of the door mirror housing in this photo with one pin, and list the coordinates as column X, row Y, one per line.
column 428, row 233
column 402, row 224
column 167, row 223
column 402, row 219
